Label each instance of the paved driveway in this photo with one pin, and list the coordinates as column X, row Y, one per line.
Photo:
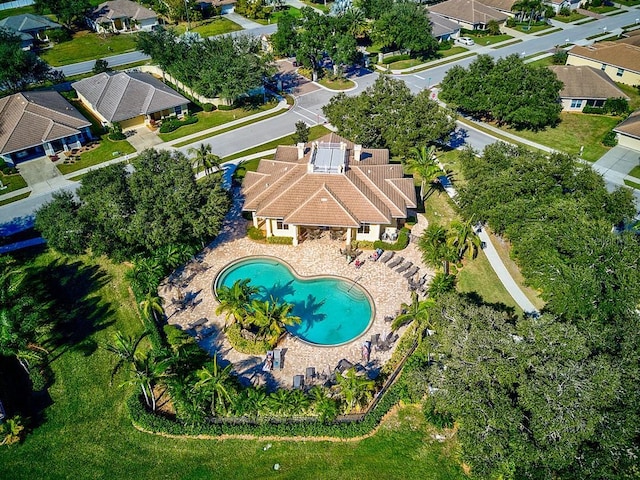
column 141, row 138
column 41, row 175
column 616, row 164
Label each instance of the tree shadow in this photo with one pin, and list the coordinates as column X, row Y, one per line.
column 476, row 299
column 278, row 290
column 308, row 311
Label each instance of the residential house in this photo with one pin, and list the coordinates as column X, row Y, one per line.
column 468, row 14
column 629, row 132
column 632, row 38
column 129, row 98
column 33, row 124
column 223, row 6
column 328, row 185
column 584, row 86
column 442, row 28
column 29, row 27
column 558, row 5
column 620, row 61
column 503, row 6
column 121, row 16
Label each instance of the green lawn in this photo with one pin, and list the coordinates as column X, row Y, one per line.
column 108, row 150
column 213, row 119
column 570, row 18
column 633, row 93
column 489, row 39
column 86, row 433
column 631, row 184
column 273, row 19
column 210, row 28
column 635, row 172
column 543, row 62
column 16, row 11
column 573, row 131
column 603, row 9
column 324, row 6
column 12, row 182
column 88, row 46
column 337, row 84
column 629, row 3
column 7, row 201
column 525, row 28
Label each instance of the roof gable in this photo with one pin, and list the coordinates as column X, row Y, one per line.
column 468, row 11
column 28, row 22
column 630, row 126
column 323, row 208
column 619, row 55
column 115, row 9
column 586, row 82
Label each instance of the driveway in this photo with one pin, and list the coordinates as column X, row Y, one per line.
column 616, row 164
column 41, row 175
column 141, row 138
column 242, row 21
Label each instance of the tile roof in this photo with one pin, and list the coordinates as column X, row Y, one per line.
column 442, row 26
column 124, row 95
column 586, row 83
column 502, row 5
column 619, row 55
column 632, row 38
column 468, row 11
column 27, row 23
column 630, row 126
column 29, row 119
column 370, row 190
column 107, row 11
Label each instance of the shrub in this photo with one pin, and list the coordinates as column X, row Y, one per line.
column 173, row 123
column 208, row 107
column 596, row 3
column 559, row 57
column 101, row 66
column 241, row 344
column 610, row 139
column 280, row 240
column 175, row 336
column 400, row 244
column 115, row 132
column 617, row 106
column 6, row 169
column 255, row 233
column 565, row 12
column 395, row 58
column 38, row 377
column 593, row 110
column 58, row 35
column 225, row 108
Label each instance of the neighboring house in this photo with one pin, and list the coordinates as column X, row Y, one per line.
column 629, row 132
column 503, row 6
column 225, row 6
column 468, row 14
column 585, row 86
column 620, row 61
column 631, row 38
column 330, row 184
column 442, row 28
column 33, row 124
column 129, row 98
column 558, row 5
column 121, row 16
column 30, row 28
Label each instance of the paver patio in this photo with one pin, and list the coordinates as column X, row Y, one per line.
column 317, row 257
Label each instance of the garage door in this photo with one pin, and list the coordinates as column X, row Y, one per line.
column 628, row 142
column 132, row 122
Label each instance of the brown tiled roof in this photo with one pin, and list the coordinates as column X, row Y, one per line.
column 107, row 11
column 619, row 55
column 631, row 126
column 586, row 83
column 370, row 190
column 632, row 38
column 468, row 11
column 31, row 118
column 503, row 5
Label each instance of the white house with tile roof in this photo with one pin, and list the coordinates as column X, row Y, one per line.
column 121, row 16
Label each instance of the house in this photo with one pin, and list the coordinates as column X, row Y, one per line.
column 632, row 38
column 620, row 61
column 330, row 184
column 442, row 28
column 558, row 5
column 584, row 86
column 30, row 28
column 121, row 16
column 224, row 6
column 33, row 124
column 129, row 98
column 503, row 6
column 468, row 14
column 629, row 132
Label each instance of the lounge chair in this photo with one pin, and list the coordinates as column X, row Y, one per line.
column 375, row 339
column 298, row 382
column 405, row 266
column 277, row 359
column 310, row 374
column 366, row 351
column 395, row 262
column 344, row 365
column 388, row 255
column 411, row 272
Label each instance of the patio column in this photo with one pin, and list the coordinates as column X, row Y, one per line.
column 269, row 233
column 295, row 234
column 255, row 219
column 349, row 236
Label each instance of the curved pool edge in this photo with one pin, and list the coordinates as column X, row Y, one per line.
column 301, row 277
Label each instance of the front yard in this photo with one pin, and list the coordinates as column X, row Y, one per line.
column 489, row 39
column 107, row 150
column 210, row 27
column 11, row 182
column 86, row 46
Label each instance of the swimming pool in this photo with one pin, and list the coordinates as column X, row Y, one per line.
column 333, row 310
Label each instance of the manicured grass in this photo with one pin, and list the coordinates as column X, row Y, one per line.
column 569, row 18
column 88, row 46
column 525, row 28
column 7, row 201
column 489, row 39
column 208, row 120
column 603, row 9
column 86, row 432
column 548, row 32
column 635, row 172
column 633, row 93
column 444, row 62
column 504, row 138
column 324, row 6
column 209, row 28
column 508, row 44
column 573, row 131
column 314, row 133
column 75, row 78
column 598, row 35
column 629, row 3
column 337, row 84
column 228, row 129
column 631, row 184
column 273, row 19
column 12, row 182
column 543, row 62
column 588, row 20
column 17, row 11
column 108, row 150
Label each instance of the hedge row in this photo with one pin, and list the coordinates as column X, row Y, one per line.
column 286, row 428
column 280, row 240
column 400, row 244
column 173, row 123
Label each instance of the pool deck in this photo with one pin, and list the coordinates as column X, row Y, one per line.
column 317, row 257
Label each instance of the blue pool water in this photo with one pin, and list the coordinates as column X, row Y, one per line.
column 333, row 310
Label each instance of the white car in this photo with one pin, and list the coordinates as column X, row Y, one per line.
column 465, row 41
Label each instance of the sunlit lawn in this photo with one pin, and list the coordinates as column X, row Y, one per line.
column 11, row 182
column 87, row 45
column 570, row 18
column 108, row 150
column 325, row 5
column 337, row 84
column 525, row 28
column 273, row 19
column 209, row 28
column 489, row 39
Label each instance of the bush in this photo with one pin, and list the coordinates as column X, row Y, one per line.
column 610, row 139
column 255, row 233
column 208, row 107
column 101, row 66
column 115, row 132
column 593, row 110
column 173, row 123
column 6, row 169
column 280, row 240
column 58, row 35
column 559, row 57
column 565, row 12
column 400, row 244
column 395, row 58
column 175, row 336
column 617, row 106
column 39, row 378
column 241, row 344
column 225, row 108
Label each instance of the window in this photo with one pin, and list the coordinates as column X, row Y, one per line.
column 620, row 72
column 364, row 228
column 575, row 103
column 280, row 225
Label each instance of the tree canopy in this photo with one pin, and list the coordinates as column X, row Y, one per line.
column 121, row 214
column 66, row 11
column 405, row 25
column 388, row 115
column 507, row 90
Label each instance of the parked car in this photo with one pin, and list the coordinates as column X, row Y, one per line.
column 465, row 41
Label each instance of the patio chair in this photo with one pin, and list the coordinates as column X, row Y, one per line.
column 277, row 359
column 298, row 382
column 268, row 362
column 343, row 365
column 395, row 262
column 375, row 339
column 388, row 255
column 404, row 267
column 411, row 272
column 310, row 374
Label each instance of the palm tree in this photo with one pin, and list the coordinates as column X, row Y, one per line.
column 172, row 255
column 435, row 249
column 464, row 239
column 124, row 348
column 251, row 402
column 355, row 390
column 151, row 306
column 12, row 430
column 270, row 317
column 441, row 284
column 145, row 372
column 325, row 407
column 234, row 300
column 214, row 383
column 422, row 162
column 279, row 401
column 145, row 275
column 417, row 311
column 204, row 158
